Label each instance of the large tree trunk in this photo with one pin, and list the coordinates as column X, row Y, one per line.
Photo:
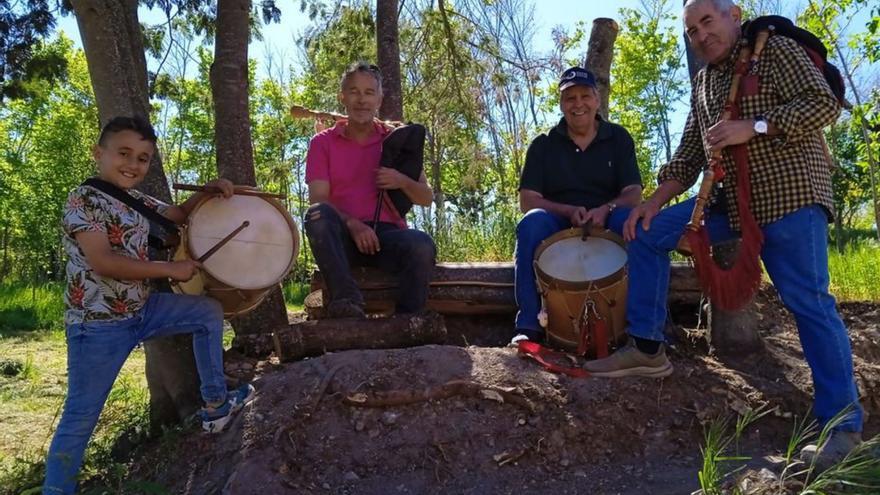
column 599, row 57
column 316, row 337
column 113, row 44
column 388, row 54
column 232, row 135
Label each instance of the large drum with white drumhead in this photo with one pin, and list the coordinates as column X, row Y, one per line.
column 242, row 272
column 582, row 278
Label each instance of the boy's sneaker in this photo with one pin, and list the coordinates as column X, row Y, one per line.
column 630, row 361
column 214, row 420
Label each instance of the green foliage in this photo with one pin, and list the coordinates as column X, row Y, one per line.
column 43, row 157
column 646, row 82
column 25, row 309
column 855, row 272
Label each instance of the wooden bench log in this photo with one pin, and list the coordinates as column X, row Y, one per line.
column 472, row 289
column 316, row 337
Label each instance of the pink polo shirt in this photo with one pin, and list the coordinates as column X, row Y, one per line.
column 350, row 168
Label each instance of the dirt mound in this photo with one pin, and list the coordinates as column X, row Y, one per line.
column 502, row 425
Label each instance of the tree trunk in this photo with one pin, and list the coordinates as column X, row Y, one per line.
column 232, row 135
column 599, row 57
column 733, row 332
column 113, row 44
column 316, row 337
column 388, row 54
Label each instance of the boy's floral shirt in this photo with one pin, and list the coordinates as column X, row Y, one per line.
column 89, row 296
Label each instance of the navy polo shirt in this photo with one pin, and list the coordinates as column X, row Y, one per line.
column 563, row 173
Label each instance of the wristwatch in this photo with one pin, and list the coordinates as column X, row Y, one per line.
column 760, row 125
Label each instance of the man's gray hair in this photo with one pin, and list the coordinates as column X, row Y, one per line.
column 722, row 6
column 365, row 68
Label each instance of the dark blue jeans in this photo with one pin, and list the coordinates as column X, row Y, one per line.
column 407, row 253
column 795, row 255
column 96, row 352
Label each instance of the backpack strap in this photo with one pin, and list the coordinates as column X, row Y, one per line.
column 154, row 217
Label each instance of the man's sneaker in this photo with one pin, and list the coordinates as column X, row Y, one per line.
column 630, row 361
column 524, row 334
column 343, row 308
column 836, row 447
column 214, row 420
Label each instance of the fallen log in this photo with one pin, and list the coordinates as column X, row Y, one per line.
column 472, row 289
column 316, row 337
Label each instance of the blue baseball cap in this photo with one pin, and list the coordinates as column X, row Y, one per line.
column 576, row 76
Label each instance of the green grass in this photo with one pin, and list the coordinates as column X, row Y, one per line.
column 24, row 309
column 854, row 273
column 857, row 474
column 33, row 384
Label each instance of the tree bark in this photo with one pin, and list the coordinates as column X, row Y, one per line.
column 388, row 55
column 316, row 337
column 113, row 44
column 232, row 135
column 473, row 289
column 599, row 57
column 732, row 332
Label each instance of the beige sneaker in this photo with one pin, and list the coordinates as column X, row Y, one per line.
column 836, row 447
column 630, row 361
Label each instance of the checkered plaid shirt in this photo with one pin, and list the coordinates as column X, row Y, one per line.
column 788, row 171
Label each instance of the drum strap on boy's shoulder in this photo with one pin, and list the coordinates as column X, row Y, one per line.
column 156, row 218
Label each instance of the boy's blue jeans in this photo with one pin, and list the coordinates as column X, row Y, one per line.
column 795, row 255
column 96, row 352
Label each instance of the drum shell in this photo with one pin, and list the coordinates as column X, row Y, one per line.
column 565, row 300
column 235, row 301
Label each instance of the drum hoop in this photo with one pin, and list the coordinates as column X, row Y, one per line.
column 284, row 213
column 588, row 285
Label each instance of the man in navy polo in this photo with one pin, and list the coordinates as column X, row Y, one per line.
column 582, row 171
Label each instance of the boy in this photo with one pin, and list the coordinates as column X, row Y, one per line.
column 109, row 306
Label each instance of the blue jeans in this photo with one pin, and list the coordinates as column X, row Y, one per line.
column 96, row 352
column 795, row 255
column 535, row 226
column 409, row 254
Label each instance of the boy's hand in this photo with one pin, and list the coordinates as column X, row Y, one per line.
column 184, row 270
column 226, row 187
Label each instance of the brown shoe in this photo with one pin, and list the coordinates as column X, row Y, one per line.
column 836, row 447
column 630, row 361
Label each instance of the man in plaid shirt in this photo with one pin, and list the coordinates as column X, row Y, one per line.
column 791, row 201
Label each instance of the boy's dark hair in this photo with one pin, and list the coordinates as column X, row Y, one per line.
column 136, row 123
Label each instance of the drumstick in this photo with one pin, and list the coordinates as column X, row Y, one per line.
column 240, row 192
column 222, row 242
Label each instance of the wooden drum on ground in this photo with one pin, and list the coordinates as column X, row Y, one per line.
column 583, row 281
column 242, row 272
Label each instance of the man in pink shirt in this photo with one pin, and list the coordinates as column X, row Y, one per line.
column 344, row 178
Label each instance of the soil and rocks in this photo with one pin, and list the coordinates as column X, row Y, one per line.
column 502, row 424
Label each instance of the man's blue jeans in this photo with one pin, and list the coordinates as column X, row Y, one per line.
column 97, row 350
column 534, row 227
column 795, row 255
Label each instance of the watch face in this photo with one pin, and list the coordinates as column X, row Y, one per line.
column 761, row 126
